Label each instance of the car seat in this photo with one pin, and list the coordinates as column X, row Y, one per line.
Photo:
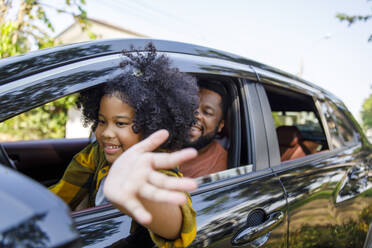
column 292, row 145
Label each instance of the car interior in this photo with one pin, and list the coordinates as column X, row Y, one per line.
column 230, row 137
column 297, row 122
column 45, row 160
column 296, row 119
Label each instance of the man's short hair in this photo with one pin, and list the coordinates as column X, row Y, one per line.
column 217, row 87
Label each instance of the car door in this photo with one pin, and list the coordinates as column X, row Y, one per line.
column 328, row 189
column 237, row 208
column 25, row 94
column 57, row 154
column 244, row 206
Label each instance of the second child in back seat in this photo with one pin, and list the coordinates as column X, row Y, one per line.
column 210, row 116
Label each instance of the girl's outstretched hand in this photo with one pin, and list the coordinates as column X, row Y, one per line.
column 133, row 177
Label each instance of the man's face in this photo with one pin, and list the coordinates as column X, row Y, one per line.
column 209, row 119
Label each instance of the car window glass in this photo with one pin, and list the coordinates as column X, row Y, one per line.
column 343, row 125
column 57, row 119
column 298, row 126
column 335, row 136
column 305, row 121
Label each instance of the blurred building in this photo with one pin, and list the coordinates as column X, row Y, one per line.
column 101, row 29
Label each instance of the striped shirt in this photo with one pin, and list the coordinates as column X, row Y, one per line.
column 83, row 176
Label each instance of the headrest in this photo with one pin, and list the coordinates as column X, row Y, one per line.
column 288, row 136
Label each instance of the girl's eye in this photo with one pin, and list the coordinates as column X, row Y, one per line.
column 208, row 113
column 101, row 122
column 121, row 124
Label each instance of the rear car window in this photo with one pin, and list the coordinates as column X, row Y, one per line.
column 297, row 123
column 341, row 128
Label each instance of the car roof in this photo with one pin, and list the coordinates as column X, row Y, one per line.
column 21, row 66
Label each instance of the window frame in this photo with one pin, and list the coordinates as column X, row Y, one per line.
column 271, row 133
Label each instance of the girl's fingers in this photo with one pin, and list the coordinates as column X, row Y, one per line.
column 152, row 142
column 172, row 160
column 161, row 180
column 138, row 212
column 152, row 193
column 143, row 181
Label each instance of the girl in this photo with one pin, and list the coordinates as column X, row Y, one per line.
column 147, row 96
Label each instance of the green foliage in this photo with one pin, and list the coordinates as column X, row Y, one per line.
column 276, row 118
column 7, row 45
column 352, row 19
column 351, row 233
column 29, row 26
column 47, row 121
column 366, row 112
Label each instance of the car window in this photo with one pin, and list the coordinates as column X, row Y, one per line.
column 297, row 123
column 335, row 137
column 54, row 120
column 341, row 130
column 306, row 121
column 211, row 159
column 41, row 142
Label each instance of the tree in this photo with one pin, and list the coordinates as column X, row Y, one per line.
column 352, row 19
column 366, row 112
column 24, row 24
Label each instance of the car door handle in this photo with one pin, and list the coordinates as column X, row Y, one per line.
column 249, row 234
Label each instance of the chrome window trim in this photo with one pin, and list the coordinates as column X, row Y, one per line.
column 289, row 83
column 320, row 156
column 232, row 177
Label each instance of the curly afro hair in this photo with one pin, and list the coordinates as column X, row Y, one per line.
column 162, row 97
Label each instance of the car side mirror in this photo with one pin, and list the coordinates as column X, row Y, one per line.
column 31, row 215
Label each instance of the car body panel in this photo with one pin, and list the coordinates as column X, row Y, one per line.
column 222, row 208
column 29, row 213
column 324, row 192
column 34, row 62
column 327, row 207
column 222, row 213
column 328, row 193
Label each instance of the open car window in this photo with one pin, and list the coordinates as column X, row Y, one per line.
column 41, row 142
column 61, row 135
column 230, row 138
column 297, row 123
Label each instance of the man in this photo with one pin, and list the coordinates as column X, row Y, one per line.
column 210, row 116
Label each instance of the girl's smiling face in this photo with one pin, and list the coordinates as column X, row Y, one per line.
column 114, row 130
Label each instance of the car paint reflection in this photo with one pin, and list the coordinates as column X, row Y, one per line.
column 223, row 211
column 30, row 95
column 27, row 234
column 328, row 206
column 105, row 233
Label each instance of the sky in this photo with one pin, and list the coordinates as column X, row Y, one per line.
column 287, row 34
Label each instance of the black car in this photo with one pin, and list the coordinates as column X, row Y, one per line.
column 298, row 162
